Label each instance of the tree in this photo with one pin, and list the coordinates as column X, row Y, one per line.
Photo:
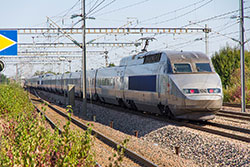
column 43, row 72
column 227, row 61
column 39, row 73
column 50, row 72
column 111, row 65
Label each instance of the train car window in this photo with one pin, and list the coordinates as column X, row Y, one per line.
column 105, row 82
column 152, row 58
column 142, row 83
column 203, row 67
column 182, row 68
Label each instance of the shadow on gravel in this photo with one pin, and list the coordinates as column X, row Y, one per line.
column 125, row 122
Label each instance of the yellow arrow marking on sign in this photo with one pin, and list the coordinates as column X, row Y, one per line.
column 5, row 42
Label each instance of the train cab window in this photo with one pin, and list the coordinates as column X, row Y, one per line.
column 169, row 68
column 203, row 67
column 182, row 68
column 152, row 58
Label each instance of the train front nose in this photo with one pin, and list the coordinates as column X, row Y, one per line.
column 202, row 106
column 201, row 96
column 203, row 102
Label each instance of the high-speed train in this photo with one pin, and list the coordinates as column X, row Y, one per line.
column 176, row 83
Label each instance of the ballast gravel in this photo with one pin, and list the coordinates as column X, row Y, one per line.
column 202, row 148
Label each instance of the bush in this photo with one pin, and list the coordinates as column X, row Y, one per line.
column 233, row 93
column 25, row 140
column 14, row 100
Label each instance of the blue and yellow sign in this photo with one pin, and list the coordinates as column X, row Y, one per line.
column 8, row 42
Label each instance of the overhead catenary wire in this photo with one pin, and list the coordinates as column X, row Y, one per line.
column 122, row 8
column 214, row 17
column 95, row 7
column 173, row 11
column 102, row 7
column 66, row 11
column 71, row 8
column 184, row 14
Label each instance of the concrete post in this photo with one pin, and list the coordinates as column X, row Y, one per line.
column 71, row 95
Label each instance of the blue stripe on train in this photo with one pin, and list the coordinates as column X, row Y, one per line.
column 142, row 83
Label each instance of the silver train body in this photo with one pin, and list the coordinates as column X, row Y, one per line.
column 180, row 84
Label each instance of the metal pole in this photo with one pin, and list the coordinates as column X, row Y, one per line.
column 16, row 72
column 242, row 58
column 84, row 59
column 64, row 84
column 206, row 39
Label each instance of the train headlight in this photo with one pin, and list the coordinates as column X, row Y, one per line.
column 191, row 91
column 213, row 90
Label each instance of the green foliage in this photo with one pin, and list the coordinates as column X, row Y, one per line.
column 227, row 64
column 43, row 72
column 111, row 65
column 39, row 73
column 50, row 72
column 233, row 93
column 116, row 160
column 25, row 140
column 4, row 79
column 226, row 61
column 13, row 100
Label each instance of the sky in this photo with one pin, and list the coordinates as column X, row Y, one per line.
column 217, row 14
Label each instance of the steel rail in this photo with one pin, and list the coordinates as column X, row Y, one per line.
column 235, row 115
column 52, row 124
column 242, row 130
column 217, row 132
column 234, row 105
column 129, row 153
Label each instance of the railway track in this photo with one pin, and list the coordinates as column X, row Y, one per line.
column 198, row 125
column 234, row 105
column 235, row 115
column 214, row 128
column 138, row 159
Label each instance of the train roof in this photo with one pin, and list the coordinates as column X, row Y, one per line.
column 174, row 56
column 179, row 56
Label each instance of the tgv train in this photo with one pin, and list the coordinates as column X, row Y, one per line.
column 179, row 84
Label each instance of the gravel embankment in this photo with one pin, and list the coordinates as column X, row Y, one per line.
column 203, row 148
